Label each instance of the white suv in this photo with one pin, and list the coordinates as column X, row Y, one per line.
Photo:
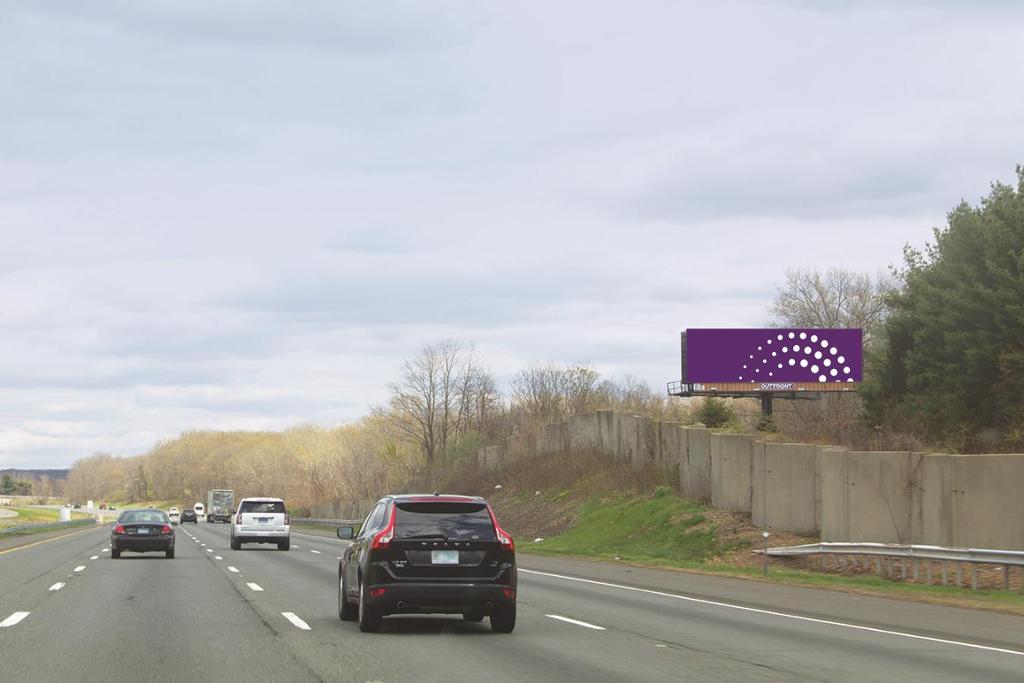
column 261, row 520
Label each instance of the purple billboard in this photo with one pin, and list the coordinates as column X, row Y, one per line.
column 774, row 355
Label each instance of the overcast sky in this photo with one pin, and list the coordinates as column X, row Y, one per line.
column 241, row 215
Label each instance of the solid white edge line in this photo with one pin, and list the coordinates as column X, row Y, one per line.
column 233, row 570
column 296, row 621
column 13, row 619
column 80, row 568
column 255, row 586
column 57, row 586
column 797, row 617
column 576, row 621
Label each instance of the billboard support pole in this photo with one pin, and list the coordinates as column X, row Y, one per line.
column 766, row 403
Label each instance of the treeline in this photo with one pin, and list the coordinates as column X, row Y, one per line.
column 15, row 487
column 444, row 407
column 944, row 333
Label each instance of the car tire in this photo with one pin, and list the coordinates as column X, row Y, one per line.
column 235, row 545
column 503, row 619
column 473, row 616
column 115, row 553
column 347, row 611
column 369, row 618
column 169, row 554
column 284, row 545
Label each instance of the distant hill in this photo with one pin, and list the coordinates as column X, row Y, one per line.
column 36, row 474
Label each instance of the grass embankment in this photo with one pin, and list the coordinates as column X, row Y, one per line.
column 39, row 520
column 590, row 507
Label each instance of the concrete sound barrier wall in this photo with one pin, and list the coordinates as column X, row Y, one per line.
column 785, row 485
column 695, row 471
column 731, row 472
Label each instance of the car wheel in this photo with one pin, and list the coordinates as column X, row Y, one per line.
column 284, row 545
column 169, row 554
column 369, row 618
column 347, row 611
column 473, row 615
column 503, row 619
column 115, row 553
column 235, row 545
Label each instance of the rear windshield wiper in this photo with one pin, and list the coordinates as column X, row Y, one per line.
column 425, row 536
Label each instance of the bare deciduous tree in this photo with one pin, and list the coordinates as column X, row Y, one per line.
column 834, row 298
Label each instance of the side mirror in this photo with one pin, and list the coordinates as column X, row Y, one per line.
column 345, row 533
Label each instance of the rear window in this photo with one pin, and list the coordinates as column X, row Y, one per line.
column 457, row 521
column 254, row 506
column 143, row 516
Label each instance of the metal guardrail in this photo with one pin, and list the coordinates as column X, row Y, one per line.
column 46, row 526
column 913, row 554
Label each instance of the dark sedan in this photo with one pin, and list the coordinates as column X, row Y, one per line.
column 142, row 531
column 189, row 516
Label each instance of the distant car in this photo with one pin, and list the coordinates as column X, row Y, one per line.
column 103, row 506
column 189, row 516
column 142, row 531
column 261, row 520
column 67, row 505
column 111, row 508
column 77, row 506
column 173, row 511
column 173, row 517
column 200, row 510
column 419, row 554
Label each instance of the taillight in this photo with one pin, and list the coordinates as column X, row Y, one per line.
column 382, row 539
column 238, row 518
column 377, row 592
column 504, row 537
column 119, row 529
column 166, row 529
column 286, row 519
column 509, row 592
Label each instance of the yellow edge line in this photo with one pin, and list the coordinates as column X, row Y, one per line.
column 45, row 540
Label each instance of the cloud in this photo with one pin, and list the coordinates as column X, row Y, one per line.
column 223, row 219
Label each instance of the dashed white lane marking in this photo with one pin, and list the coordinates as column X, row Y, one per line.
column 339, row 557
column 797, row 617
column 209, row 550
column 57, row 586
column 296, row 546
column 202, row 545
column 105, row 550
column 296, row 621
column 232, row 570
column 95, row 557
column 13, row 619
column 574, row 621
column 217, row 557
column 80, row 568
column 315, row 551
column 255, row 586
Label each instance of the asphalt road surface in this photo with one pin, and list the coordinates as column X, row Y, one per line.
column 70, row 612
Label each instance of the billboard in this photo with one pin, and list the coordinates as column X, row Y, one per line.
column 777, row 357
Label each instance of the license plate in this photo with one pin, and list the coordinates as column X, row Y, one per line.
column 142, row 530
column 263, row 520
column 444, row 556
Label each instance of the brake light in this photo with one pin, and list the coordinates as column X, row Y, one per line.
column 286, row 519
column 382, row 539
column 509, row 592
column 504, row 537
column 377, row 592
column 119, row 529
column 238, row 518
column 166, row 529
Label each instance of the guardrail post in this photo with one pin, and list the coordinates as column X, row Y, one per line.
column 903, row 570
column 917, row 569
column 878, row 566
column 928, row 571
column 943, row 572
column 974, row 577
column 1006, row 577
column 959, row 575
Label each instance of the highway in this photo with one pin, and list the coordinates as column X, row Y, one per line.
column 69, row 612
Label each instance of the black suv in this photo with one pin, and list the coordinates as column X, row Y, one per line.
column 421, row 553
